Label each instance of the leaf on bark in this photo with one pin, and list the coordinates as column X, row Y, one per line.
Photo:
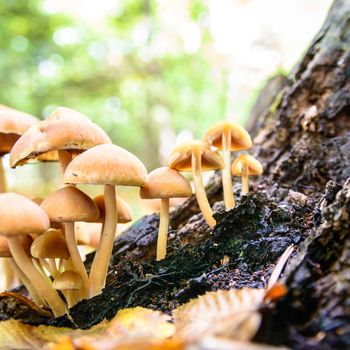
column 227, row 313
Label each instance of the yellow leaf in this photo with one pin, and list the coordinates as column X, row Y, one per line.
column 17, row 335
column 135, row 328
column 230, row 314
column 140, row 322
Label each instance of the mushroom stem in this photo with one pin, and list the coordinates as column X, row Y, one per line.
column 53, row 268
column 64, row 158
column 200, row 192
column 163, row 228
column 103, row 253
column 43, row 287
column 76, row 258
column 9, row 273
column 26, row 282
column 245, row 181
column 3, row 183
column 226, row 171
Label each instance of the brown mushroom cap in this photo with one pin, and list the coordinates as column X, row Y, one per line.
column 106, row 164
column 69, row 204
column 26, row 242
column 165, row 182
column 254, row 166
column 123, row 209
column 68, row 280
column 64, row 129
column 13, row 124
column 240, row 139
column 181, row 157
column 50, row 244
column 20, row 216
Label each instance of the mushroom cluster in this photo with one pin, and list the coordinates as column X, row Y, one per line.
column 39, row 238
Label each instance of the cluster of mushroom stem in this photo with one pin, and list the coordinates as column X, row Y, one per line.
column 87, row 156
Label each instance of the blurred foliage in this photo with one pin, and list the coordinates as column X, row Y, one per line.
column 117, row 74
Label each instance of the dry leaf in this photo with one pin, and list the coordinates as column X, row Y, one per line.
column 139, row 322
column 232, row 314
column 17, row 335
column 135, row 328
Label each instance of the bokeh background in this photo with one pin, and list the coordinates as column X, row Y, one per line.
column 152, row 73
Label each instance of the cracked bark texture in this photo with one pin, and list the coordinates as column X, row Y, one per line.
column 303, row 141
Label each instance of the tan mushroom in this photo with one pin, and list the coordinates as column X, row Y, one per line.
column 197, row 156
column 109, row 165
column 69, row 282
column 50, row 245
column 165, row 183
column 19, row 216
column 68, row 205
column 244, row 166
column 62, row 135
column 13, row 124
column 227, row 136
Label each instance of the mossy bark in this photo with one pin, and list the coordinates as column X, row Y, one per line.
column 302, row 198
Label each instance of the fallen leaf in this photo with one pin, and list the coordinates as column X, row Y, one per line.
column 227, row 313
column 134, row 328
column 139, row 322
column 16, row 335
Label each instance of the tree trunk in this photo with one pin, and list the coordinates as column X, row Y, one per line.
column 303, row 141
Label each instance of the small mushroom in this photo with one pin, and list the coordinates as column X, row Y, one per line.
column 227, row 136
column 68, row 205
column 13, row 124
column 68, row 282
column 123, row 209
column 50, row 245
column 107, row 165
column 165, row 183
column 197, row 156
column 244, row 166
column 19, row 216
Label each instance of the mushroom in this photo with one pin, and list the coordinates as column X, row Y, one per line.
column 13, row 124
column 197, row 156
column 109, row 165
column 19, row 216
column 123, row 209
column 50, row 245
column 244, row 166
column 68, row 205
column 64, row 133
column 68, row 282
column 227, row 136
column 165, row 183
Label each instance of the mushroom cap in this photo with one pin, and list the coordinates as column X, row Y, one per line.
column 165, row 182
column 240, row 139
column 181, row 157
column 13, row 124
column 69, row 204
column 106, row 164
column 68, row 280
column 123, row 209
column 64, row 129
column 26, row 242
column 20, row 216
column 50, row 244
column 254, row 166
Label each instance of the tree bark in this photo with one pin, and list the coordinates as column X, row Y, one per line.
column 303, row 198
